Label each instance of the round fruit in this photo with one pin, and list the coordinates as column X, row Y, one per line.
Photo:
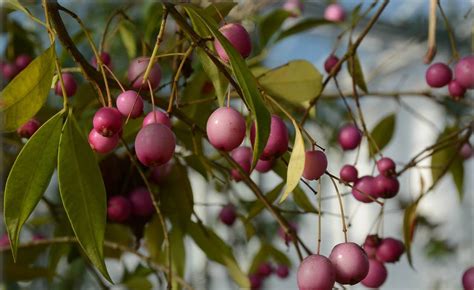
column 118, row 209
column 22, row 61
column 376, row 276
column 102, row 144
column 9, row 70
column 386, row 166
column 265, row 269
column 107, row 121
column 316, row 272
column 130, row 103
column 4, row 241
column 386, row 187
column 264, row 166
column 331, row 62
column 468, row 279
column 370, row 245
column 295, row 7
column 282, row 271
column 225, row 129
column 277, row 142
column 315, row 164
column 363, row 188
column 29, row 128
column 243, row 156
column 136, row 71
column 255, row 281
column 348, row 173
column 350, row 262
column 390, row 250
column 228, row 215
column 142, row 204
column 456, row 90
column 238, row 37
column 157, row 116
column 334, row 12
column 155, row 144
column 438, row 75
column 464, row 72
column 70, row 85
column 349, row 137
column 105, row 57
column 159, row 173
column 466, row 151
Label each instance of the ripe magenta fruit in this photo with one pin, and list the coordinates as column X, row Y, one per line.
column 255, row 281
column 468, row 279
column 22, row 61
column 9, row 70
column 456, row 90
column 225, row 129
column 243, row 156
column 119, row 209
column 130, row 103
column 159, row 173
column 277, row 142
column 466, row 151
column 70, row 85
column 264, row 166
column 315, row 164
column 282, row 271
column 349, row 137
column 157, row 116
column 390, row 250
column 136, row 71
column 386, row 166
column 386, row 187
column 155, row 144
column 348, row 173
column 350, row 262
column 142, row 204
column 464, row 72
column 438, row 75
column 105, row 57
column 29, row 128
column 376, row 276
column 363, row 188
column 107, row 121
column 228, row 215
column 334, row 12
column 316, row 272
column 331, row 62
column 370, row 245
column 238, row 37
column 102, row 144
column 265, row 269
column 295, row 7
column 4, row 241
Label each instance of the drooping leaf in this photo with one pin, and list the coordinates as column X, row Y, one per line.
column 178, row 253
column 22, row 98
column 302, row 26
column 258, row 206
column 297, row 81
column 302, row 200
column 409, row 226
column 270, row 24
column 154, row 238
column 30, row 176
column 279, row 257
column 268, row 253
column 358, row 74
column 119, row 234
column 82, row 192
column 219, row 10
column 382, row 134
column 128, row 39
column 14, row 4
column 296, row 163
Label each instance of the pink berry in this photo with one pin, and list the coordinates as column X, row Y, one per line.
column 316, row 272
column 349, row 137
column 386, row 166
column 228, row 215
column 107, row 121
column 38, row 237
column 456, row 90
column 119, row 209
column 277, row 142
column 390, row 250
column 363, row 188
column 255, row 281
column 136, row 71
column 157, row 116
column 142, row 204
column 282, row 271
column 466, row 151
column 243, row 156
column 386, row 187
column 70, row 85
column 238, row 37
column 159, row 173
column 225, row 129
column 468, row 279
column 264, row 166
column 376, row 276
column 265, row 269
column 4, row 241
column 370, row 245
column 155, row 144
column 330, row 63
column 348, row 173
column 350, row 262
column 29, row 128
column 315, row 164
column 464, row 72
column 130, row 103
column 287, row 237
column 102, row 144
column 105, row 57
column 295, row 7
column 438, row 75
column 334, row 12
column 9, row 71
column 22, row 61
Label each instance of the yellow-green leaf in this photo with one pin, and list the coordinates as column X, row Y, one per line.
column 382, row 134
column 128, row 40
column 358, row 74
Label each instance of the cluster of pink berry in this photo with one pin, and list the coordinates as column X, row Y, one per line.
column 264, row 271
column 10, row 69
column 439, row 75
column 138, row 202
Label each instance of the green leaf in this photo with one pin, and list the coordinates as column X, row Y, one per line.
column 409, row 225
column 358, row 74
column 218, row 10
column 246, row 81
column 279, row 257
column 302, row 26
column 154, row 238
column 258, row 206
column 382, row 134
column 23, row 97
column 30, row 176
column 302, row 200
column 271, row 23
column 24, row 268
column 128, row 39
column 119, row 234
column 217, row 250
column 15, row 5
column 296, row 163
column 178, row 253
column 297, row 81
column 82, row 192
column 265, row 253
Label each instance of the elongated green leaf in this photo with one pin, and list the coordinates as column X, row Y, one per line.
column 266, row 253
column 217, row 250
column 154, row 238
column 303, row 25
column 382, row 134
column 82, row 192
column 409, row 225
column 270, row 24
column 358, row 74
column 297, row 81
column 296, row 164
column 178, row 253
column 246, row 81
column 128, row 39
column 218, row 10
column 13, row 4
column 22, row 98
column 30, row 175
column 302, row 200
column 258, row 206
